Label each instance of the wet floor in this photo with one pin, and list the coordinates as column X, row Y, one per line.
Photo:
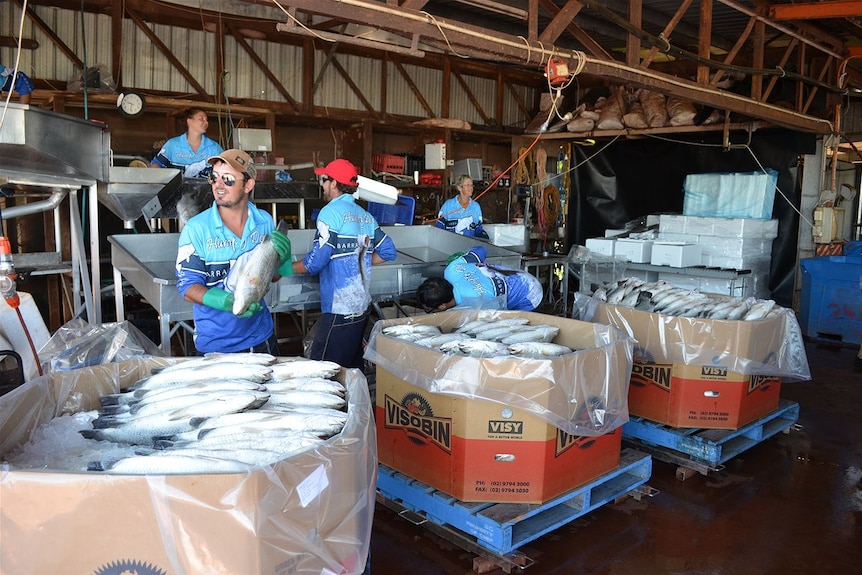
column 790, row 505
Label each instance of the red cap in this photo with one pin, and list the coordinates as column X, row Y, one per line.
column 339, row 170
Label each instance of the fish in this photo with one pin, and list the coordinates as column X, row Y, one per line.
column 119, row 402
column 294, row 368
column 511, row 322
column 239, row 439
column 411, row 332
column 264, row 418
column 216, row 371
column 475, row 347
column 498, row 333
column 213, row 358
column 532, row 333
column 438, row 340
column 108, row 416
column 304, row 398
column 759, row 310
column 364, row 244
column 253, row 276
column 539, row 349
column 168, row 464
column 472, row 325
column 142, row 430
column 316, row 384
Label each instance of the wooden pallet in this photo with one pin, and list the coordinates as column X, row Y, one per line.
column 705, row 450
column 496, row 530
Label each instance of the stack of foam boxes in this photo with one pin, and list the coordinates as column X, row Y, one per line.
column 728, row 243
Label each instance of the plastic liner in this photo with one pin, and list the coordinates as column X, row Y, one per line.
column 770, row 346
column 581, row 393
column 308, row 514
column 80, row 344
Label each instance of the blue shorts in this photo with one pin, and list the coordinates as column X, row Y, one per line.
column 20, row 83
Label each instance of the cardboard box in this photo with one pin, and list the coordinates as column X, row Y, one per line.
column 480, row 429
column 311, row 513
column 676, row 255
column 697, row 396
column 638, row 251
column 687, row 371
column 604, row 246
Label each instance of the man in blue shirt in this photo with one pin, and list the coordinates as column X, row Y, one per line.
column 211, row 243
column 20, row 82
column 348, row 241
column 191, row 151
column 467, row 281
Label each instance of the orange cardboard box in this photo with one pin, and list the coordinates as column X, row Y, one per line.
column 483, row 451
column 700, row 396
column 682, row 373
column 495, row 429
column 311, row 513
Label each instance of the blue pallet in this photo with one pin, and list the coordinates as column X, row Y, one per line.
column 502, row 528
column 708, row 447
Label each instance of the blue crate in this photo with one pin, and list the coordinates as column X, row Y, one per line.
column 831, row 306
column 853, row 249
column 707, row 449
column 399, row 213
column 501, row 528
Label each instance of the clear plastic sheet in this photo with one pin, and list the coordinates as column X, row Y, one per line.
column 581, row 393
column 770, row 346
column 308, row 514
column 80, row 344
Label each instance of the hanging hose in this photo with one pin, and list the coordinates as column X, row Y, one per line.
column 29, row 340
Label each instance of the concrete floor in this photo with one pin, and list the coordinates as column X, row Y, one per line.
column 790, row 505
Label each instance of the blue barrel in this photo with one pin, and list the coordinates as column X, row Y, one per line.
column 832, row 298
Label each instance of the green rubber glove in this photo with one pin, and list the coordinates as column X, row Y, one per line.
column 281, row 243
column 221, row 300
column 453, row 257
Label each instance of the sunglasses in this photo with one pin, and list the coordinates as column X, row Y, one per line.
column 228, row 179
column 325, row 179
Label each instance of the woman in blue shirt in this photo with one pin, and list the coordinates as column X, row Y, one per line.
column 189, row 152
column 462, row 214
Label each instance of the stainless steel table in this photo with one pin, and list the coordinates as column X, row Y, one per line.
column 147, row 262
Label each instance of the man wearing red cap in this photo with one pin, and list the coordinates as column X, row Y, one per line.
column 348, row 241
column 214, row 242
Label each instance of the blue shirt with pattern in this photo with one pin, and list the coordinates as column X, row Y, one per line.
column 344, row 230
column 177, row 153
column 465, row 221
column 207, row 251
column 491, row 287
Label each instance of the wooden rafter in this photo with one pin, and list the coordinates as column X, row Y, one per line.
column 139, row 22
column 49, row 32
column 472, row 97
column 740, row 42
column 413, row 88
column 262, row 65
column 668, row 30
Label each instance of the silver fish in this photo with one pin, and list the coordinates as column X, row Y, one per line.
column 169, row 465
column 213, row 358
column 141, row 430
column 759, row 310
column 304, row 398
column 499, row 324
column 498, row 333
column 218, row 371
column 533, row 333
column 294, row 368
column 438, row 340
column 125, row 401
column 153, row 407
column 253, row 276
column 475, row 347
column 265, row 418
column 473, row 325
column 539, row 349
column 316, row 384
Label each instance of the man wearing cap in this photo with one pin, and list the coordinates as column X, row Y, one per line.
column 12, row 82
column 215, row 241
column 348, row 241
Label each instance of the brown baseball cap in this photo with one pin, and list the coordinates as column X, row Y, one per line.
column 238, row 160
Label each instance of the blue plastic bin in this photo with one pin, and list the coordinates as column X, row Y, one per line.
column 399, row 213
column 832, row 298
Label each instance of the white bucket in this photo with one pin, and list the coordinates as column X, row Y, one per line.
column 13, row 333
